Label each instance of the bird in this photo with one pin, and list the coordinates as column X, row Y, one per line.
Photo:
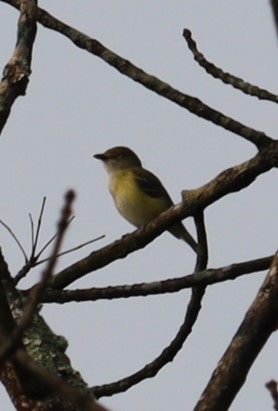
column 138, row 194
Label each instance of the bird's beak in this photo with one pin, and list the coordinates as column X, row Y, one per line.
column 100, row 156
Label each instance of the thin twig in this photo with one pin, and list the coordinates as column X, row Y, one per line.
column 38, row 226
column 32, row 261
column 78, row 247
column 227, row 78
column 16, row 240
column 52, row 239
column 32, row 231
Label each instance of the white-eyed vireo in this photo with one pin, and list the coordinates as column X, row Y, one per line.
column 138, row 194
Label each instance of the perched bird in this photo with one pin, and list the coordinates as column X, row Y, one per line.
column 138, row 194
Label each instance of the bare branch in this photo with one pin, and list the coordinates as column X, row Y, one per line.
column 50, row 241
column 36, row 238
column 167, row 355
column 192, row 104
column 32, row 261
column 32, row 231
column 201, row 278
column 16, row 240
column 70, row 250
column 23, row 271
column 202, row 256
column 62, row 226
column 17, row 71
column 227, row 78
column 259, row 323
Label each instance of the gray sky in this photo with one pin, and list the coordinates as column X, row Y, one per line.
column 76, row 106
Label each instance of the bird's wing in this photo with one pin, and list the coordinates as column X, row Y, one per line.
column 151, row 185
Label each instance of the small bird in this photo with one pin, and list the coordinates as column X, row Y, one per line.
column 138, row 194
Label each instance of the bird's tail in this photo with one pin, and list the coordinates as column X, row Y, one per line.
column 179, row 231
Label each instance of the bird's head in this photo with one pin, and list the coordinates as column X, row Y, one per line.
column 119, row 158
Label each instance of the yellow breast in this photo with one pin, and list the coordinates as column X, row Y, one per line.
column 132, row 203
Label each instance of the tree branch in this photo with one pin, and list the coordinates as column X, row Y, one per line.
column 259, row 323
column 192, row 104
column 227, row 78
column 199, row 278
column 202, row 256
column 17, row 71
column 169, row 353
